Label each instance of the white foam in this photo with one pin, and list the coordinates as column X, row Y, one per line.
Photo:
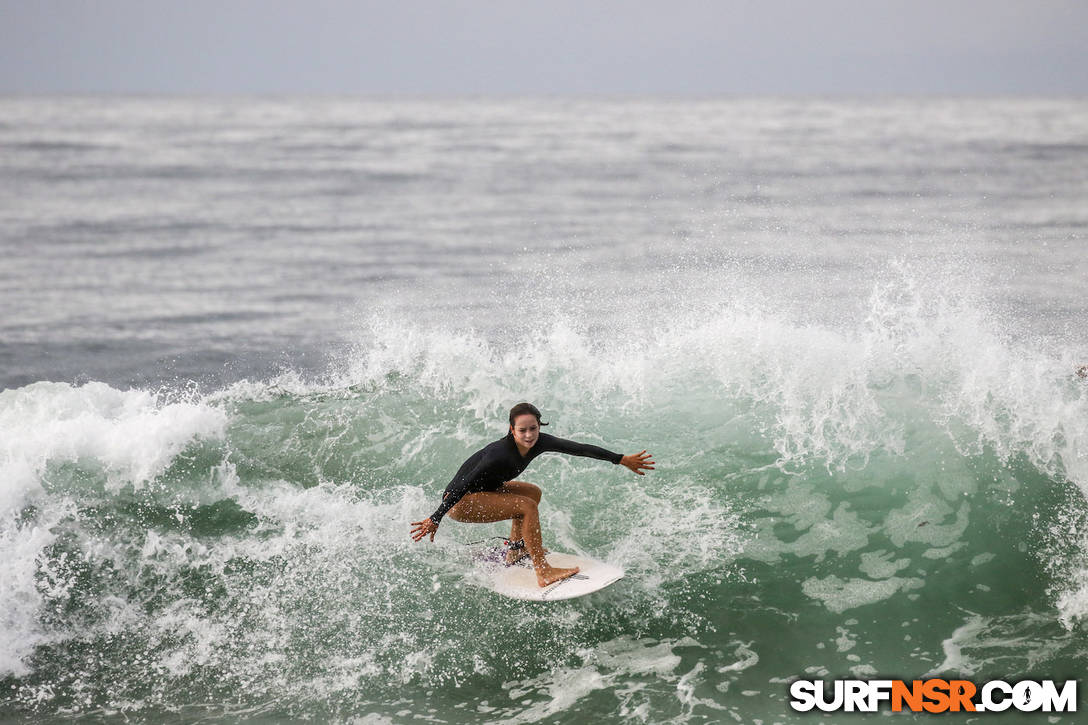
column 607, row 666
column 132, row 436
column 20, row 596
column 924, row 518
column 839, row 595
column 684, row 534
column 746, row 658
column 843, row 532
column 1072, row 593
column 880, row 564
column 1012, row 643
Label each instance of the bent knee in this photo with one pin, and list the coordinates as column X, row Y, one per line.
column 524, row 504
column 524, row 488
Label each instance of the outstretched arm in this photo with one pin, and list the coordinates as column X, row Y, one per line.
column 574, row 448
column 637, row 462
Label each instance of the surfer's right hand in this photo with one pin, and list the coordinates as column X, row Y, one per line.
column 422, row 528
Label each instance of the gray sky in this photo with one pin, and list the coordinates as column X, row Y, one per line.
column 553, row 47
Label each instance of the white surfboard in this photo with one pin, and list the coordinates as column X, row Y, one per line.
column 518, row 581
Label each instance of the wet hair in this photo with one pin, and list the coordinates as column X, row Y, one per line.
column 522, row 409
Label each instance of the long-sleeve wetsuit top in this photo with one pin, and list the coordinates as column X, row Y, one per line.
column 499, row 462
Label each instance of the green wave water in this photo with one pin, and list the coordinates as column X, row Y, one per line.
column 899, row 499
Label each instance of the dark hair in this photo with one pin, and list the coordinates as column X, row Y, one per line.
column 522, row 409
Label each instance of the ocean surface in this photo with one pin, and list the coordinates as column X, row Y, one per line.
column 245, row 342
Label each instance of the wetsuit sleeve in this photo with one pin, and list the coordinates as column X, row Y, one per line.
column 457, row 489
column 573, row 448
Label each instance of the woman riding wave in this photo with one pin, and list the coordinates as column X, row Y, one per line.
column 483, row 490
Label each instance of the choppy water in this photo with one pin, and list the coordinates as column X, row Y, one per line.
column 245, row 342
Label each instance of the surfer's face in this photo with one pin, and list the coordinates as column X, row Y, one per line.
column 526, row 430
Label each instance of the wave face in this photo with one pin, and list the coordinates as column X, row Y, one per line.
column 903, row 497
column 847, row 332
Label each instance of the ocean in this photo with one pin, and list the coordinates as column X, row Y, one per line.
column 246, row 341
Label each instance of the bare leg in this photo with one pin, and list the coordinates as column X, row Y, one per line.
column 528, row 490
column 487, row 507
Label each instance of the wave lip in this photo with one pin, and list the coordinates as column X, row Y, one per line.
column 132, row 434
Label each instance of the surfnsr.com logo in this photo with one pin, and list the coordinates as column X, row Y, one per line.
column 933, row 696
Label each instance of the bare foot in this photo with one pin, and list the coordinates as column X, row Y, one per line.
column 546, row 575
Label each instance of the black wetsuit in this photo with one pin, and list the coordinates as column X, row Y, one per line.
column 499, row 462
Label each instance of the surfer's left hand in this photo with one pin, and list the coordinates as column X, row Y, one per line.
column 638, row 462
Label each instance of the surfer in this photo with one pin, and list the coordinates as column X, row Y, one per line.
column 483, row 490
